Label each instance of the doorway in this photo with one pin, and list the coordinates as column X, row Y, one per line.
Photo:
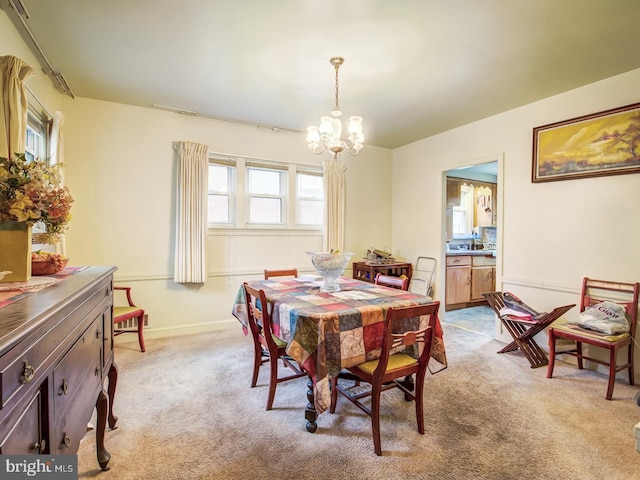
column 471, row 240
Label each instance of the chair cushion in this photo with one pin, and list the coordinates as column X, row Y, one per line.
column 586, row 333
column 279, row 341
column 397, row 360
column 128, row 312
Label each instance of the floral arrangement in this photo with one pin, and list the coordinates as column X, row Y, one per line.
column 31, row 192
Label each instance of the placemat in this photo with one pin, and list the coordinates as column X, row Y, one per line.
column 14, row 291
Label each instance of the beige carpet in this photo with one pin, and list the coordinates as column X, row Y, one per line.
column 186, row 411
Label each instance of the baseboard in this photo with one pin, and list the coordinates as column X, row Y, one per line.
column 173, row 331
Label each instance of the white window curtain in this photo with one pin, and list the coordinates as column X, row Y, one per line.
column 335, row 193
column 56, row 147
column 191, row 213
column 13, row 115
column 56, row 152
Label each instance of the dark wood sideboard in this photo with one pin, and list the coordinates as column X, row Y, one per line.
column 56, row 355
column 367, row 271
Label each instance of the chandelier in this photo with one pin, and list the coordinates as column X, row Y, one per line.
column 328, row 135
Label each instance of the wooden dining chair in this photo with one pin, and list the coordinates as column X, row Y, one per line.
column 291, row 272
column 128, row 312
column 401, row 283
column 262, row 333
column 385, row 372
column 594, row 292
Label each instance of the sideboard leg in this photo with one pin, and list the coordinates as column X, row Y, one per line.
column 113, row 382
column 103, row 455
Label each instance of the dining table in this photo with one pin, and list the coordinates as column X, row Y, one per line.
column 329, row 331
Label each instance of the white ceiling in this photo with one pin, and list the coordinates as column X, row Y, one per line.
column 412, row 68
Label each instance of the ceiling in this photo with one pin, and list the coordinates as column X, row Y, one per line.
column 413, row 68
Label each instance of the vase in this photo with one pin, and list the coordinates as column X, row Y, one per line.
column 15, row 251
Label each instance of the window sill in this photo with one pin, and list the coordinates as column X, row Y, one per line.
column 257, row 232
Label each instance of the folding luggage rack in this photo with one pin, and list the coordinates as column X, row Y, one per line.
column 523, row 331
column 422, row 277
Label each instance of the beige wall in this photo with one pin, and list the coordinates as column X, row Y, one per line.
column 121, row 171
column 552, row 234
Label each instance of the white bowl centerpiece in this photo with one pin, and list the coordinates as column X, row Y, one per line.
column 330, row 265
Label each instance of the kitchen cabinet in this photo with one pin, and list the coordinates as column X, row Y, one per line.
column 458, row 280
column 467, row 278
column 483, row 276
column 56, row 353
column 485, row 205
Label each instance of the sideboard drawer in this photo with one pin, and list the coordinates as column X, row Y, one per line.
column 76, row 381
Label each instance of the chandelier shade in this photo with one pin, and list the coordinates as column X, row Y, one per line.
column 328, row 134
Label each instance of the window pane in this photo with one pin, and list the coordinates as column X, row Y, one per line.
column 264, row 182
column 310, row 212
column 218, row 178
column 310, row 186
column 265, row 210
column 218, row 209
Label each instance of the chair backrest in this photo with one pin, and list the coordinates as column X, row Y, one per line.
column 624, row 294
column 291, row 272
column 421, row 339
column 258, row 316
column 401, row 283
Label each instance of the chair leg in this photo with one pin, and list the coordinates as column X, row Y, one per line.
column 375, row 417
column 612, row 373
column 419, row 399
column 552, row 353
column 257, row 361
column 140, row 333
column 630, row 360
column 579, row 354
column 273, row 380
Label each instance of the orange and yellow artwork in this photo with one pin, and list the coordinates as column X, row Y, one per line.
column 606, row 143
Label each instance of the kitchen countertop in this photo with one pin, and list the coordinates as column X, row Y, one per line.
column 475, row 253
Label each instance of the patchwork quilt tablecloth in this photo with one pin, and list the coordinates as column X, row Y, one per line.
column 327, row 332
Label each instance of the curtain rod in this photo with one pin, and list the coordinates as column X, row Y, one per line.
column 250, row 158
column 20, row 12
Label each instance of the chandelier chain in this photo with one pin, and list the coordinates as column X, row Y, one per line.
column 337, row 107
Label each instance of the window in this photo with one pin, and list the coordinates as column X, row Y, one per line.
column 247, row 193
column 463, row 213
column 265, row 187
column 37, row 136
column 37, row 140
column 220, row 198
column 310, row 194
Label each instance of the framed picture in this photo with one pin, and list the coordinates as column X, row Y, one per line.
column 603, row 143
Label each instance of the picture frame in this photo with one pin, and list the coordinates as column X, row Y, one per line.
column 599, row 144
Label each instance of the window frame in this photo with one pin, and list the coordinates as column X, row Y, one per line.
column 283, row 195
column 299, row 198
column 240, row 195
column 230, row 193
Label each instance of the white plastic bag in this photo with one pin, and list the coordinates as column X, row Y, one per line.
column 606, row 317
